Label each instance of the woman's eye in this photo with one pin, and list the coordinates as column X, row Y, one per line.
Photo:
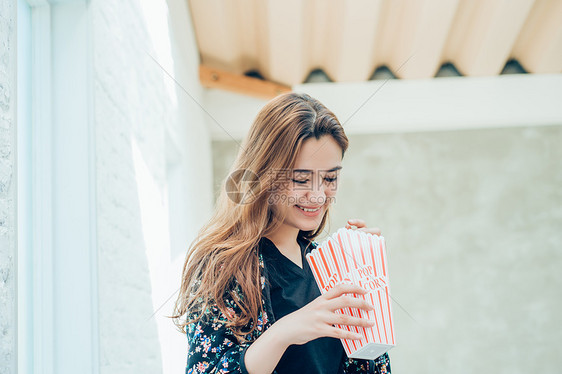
column 330, row 179
column 301, row 181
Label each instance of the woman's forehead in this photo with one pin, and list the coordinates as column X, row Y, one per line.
column 319, row 154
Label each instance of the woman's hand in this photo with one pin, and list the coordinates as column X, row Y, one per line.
column 361, row 225
column 316, row 319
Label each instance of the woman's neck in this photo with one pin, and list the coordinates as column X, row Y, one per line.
column 285, row 239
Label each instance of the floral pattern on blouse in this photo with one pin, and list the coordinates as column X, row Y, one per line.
column 213, row 348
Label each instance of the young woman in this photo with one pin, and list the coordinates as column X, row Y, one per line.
column 250, row 300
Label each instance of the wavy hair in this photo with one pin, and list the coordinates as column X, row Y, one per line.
column 225, row 251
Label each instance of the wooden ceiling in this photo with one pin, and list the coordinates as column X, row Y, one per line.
column 285, row 40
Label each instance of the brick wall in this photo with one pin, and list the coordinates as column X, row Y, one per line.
column 8, row 324
column 147, row 129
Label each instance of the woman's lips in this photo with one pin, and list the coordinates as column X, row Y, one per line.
column 310, row 211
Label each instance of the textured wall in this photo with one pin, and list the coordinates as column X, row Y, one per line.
column 473, row 221
column 128, row 340
column 8, row 324
column 142, row 120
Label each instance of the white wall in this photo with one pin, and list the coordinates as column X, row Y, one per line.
column 8, row 353
column 472, row 224
column 153, row 176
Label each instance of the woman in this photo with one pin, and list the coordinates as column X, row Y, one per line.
column 250, row 299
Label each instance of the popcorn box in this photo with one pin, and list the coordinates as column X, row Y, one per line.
column 353, row 256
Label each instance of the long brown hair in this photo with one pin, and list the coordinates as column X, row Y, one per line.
column 225, row 249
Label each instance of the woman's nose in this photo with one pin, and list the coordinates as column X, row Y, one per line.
column 318, row 192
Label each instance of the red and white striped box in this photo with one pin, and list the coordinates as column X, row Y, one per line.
column 353, row 256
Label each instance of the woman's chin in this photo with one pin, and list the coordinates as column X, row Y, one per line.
column 309, row 223
column 308, row 227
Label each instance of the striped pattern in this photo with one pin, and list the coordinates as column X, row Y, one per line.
column 355, row 257
column 348, row 39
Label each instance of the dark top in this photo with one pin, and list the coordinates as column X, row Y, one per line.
column 213, row 347
column 292, row 288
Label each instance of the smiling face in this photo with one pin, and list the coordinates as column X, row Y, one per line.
column 312, row 185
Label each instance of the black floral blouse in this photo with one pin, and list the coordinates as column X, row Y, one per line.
column 213, row 347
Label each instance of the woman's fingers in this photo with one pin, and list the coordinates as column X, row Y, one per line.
column 355, row 222
column 335, row 332
column 344, row 288
column 361, row 225
column 344, row 319
column 349, row 302
column 371, row 230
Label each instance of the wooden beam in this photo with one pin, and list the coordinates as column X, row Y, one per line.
column 224, row 80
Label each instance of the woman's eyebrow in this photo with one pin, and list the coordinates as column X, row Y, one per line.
column 310, row 171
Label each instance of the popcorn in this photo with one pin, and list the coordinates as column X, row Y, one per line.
column 356, row 257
